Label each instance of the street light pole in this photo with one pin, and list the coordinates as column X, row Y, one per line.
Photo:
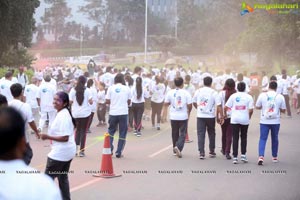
column 146, row 30
column 81, row 39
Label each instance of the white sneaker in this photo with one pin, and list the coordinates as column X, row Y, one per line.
column 244, row 158
column 177, row 151
column 235, row 160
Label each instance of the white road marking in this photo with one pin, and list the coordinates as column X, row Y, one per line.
column 85, row 184
column 160, row 151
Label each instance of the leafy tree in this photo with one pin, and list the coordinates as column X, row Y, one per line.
column 17, row 24
column 55, row 17
column 163, row 43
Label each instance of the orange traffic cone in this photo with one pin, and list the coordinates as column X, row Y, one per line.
column 106, row 170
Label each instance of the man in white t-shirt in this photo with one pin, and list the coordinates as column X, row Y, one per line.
column 25, row 110
column 31, row 94
column 20, row 181
column 45, row 98
column 264, row 82
column 205, row 100
column 271, row 105
column 180, row 102
column 241, row 106
column 107, row 78
column 5, row 85
column 118, row 97
column 22, row 77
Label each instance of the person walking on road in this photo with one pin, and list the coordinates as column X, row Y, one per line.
column 271, row 105
column 138, row 101
column 180, row 102
column 118, row 97
column 81, row 99
column 63, row 148
column 205, row 100
column 228, row 90
column 241, row 106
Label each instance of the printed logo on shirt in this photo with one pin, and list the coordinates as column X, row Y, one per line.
column 178, row 103
column 240, row 107
column 44, row 90
column 238, row 99
column 2, row 86
column 118, row 90
column 270, row 112
column 27, row 90
column 203, row 105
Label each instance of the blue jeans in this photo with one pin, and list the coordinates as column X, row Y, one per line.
column 264, row 132
column 114, row 121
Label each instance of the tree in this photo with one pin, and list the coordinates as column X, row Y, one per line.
column 55, row 17
column 17, row 25
column 163, row 43
column 274, row 37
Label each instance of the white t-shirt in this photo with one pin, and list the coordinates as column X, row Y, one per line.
column 107, row 79
column 5, row 89
column 240, row 103
column 271, row 103
column 206, row 99
column 22, row 79
column 25, row 110
column 189, row 88
column 21, row 182
column 118, row 95
column 265, row 83
column 134, row 96
column 95, row 99
column 158, row 92
column 83, row 110
column 31, row 94
column 62, row 126
column 178, row 99
column 171, row 75
column 52, row 82
column 297, row 85
column 46, row 95
column 222, row 96
column 101, row 96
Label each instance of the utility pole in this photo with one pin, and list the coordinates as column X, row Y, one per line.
column 146, row 30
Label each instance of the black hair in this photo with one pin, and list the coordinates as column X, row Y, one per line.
column 8, row 74
column 178, row 81
column 16, row 90
column 229, row 88
column 12, row 129
column 138, row 87
column 129, row 80
column 90, row 82
column 47, row 78
column 137, row 69
column 80, row 88
column 207, row 81
column 187, row 78
column 119, row 78
column 273, row 78
column 3, row 100
column 273, row 85
column 65, row 99
column 241, row 86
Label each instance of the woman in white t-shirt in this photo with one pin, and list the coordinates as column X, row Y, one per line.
column 81, row 99
column 63, row 148
column 157, row 100
column 93, row 91
column 241, row 106
column 138, row 100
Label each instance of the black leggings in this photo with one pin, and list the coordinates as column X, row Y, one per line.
column 81, row 130
column 138, row 110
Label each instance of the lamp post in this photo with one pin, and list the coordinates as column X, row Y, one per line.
column 146, row 30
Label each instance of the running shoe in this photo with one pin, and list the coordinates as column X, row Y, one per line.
column 260, row 160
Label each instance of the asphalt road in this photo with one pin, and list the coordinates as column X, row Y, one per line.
column 150, row 171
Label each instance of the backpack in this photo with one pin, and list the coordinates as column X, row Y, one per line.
column 205, row 105
column 271, row 110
